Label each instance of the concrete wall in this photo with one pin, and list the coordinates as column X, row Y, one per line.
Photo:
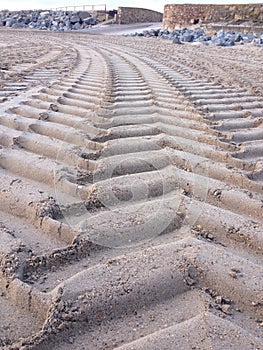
column 127, row 15
column 185, row 14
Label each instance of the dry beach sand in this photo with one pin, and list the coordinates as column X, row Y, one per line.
column 131, row 193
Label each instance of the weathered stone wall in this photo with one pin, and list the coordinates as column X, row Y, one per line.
column 100, row 15
column 177, row 15
column 127, row 15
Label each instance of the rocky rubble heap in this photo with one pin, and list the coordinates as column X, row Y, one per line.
column 199, row 35
column 48, row 20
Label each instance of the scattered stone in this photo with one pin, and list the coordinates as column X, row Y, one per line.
column 74, row 19
column 226, row 309
column 199, row 232
column 71, row 340
column 176, row 40
column 48, row 20
column 235, row 269
column 188, row 36
column 43, row 116
column 218, row 299
column 200, row 36
column 53, row 107
column 217, row 193
column 233, row 274
column 91, row 21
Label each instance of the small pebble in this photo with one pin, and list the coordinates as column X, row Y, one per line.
column 233, row 274
column 226, row 309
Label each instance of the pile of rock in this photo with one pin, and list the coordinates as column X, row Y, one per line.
column 48, row 20
column 200, row 36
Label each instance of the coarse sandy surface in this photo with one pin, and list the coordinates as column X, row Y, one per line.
column 121, row 29
column 131, row 193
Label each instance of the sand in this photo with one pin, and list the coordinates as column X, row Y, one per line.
column 131, row 193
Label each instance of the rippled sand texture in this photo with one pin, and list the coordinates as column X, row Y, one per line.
column 131, row 194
